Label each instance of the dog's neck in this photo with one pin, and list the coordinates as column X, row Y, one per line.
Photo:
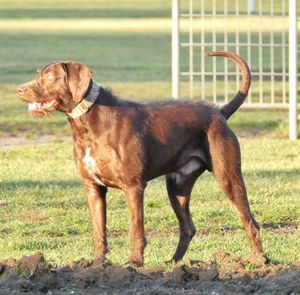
column 87, row 102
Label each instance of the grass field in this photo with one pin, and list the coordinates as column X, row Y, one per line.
column 46, row 209
column 16, row 121
column 113, row 8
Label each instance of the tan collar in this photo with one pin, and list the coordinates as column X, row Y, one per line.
column 87, row 102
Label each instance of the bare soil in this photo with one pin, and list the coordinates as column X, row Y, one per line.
column 21, row 139
column 224, row 274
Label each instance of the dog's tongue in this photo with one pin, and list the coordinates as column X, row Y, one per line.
column 33, row 106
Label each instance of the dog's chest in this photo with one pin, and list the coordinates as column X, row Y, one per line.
column 91, row 166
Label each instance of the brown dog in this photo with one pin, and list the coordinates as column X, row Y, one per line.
column 124, row 144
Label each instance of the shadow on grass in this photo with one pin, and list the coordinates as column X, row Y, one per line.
column 72, row 184
column 281, row 225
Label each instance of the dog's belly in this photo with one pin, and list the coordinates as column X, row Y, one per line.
column 107, row 168
column 185, row 163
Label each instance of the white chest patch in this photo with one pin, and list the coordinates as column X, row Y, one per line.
column 91, row 166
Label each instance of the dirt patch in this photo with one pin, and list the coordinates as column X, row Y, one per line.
column 224, row 274
column 23, row 141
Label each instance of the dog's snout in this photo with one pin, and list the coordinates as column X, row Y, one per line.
column 22, row 90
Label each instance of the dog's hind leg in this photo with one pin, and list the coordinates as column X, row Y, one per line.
column 179, row 188
column 226, row 166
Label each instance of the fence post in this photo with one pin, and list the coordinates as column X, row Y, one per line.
column 175, row 49
column 292, row 69
column 251, row 6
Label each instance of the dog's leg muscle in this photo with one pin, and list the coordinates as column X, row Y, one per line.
column 226, row 162
column 96, row 199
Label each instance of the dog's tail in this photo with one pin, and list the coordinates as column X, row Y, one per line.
column 228, row 109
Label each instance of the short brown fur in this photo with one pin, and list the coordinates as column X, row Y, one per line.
column 130, row 143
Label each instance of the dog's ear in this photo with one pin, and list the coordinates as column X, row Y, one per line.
column 77, row 78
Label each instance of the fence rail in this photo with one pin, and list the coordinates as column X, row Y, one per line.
column 264, row 33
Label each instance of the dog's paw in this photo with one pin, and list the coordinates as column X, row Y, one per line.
column 100, row 262
column 135, row 263
column 259, row 259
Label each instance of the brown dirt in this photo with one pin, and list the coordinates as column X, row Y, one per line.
column 224, row 274
column 20, row 140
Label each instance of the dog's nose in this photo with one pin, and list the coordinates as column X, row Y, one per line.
column 21, row 90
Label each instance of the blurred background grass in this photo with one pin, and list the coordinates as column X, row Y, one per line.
column 128, row 45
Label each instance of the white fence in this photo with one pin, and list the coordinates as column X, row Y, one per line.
column 263, row 32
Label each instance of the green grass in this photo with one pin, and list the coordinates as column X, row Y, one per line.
column 15, row 121
column 46, row 208
column 112, row 8
column 134, row 65
column 117, row 57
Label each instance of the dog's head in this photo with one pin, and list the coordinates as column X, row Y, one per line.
column 58, row 86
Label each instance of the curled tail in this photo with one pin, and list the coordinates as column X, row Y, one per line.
column 228, row 109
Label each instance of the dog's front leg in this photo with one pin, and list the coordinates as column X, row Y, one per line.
column 135, row 202
column 96, row 199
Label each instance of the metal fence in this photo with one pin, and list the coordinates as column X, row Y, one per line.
column 263, row 32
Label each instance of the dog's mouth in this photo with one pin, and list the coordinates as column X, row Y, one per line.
column 41, row 108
